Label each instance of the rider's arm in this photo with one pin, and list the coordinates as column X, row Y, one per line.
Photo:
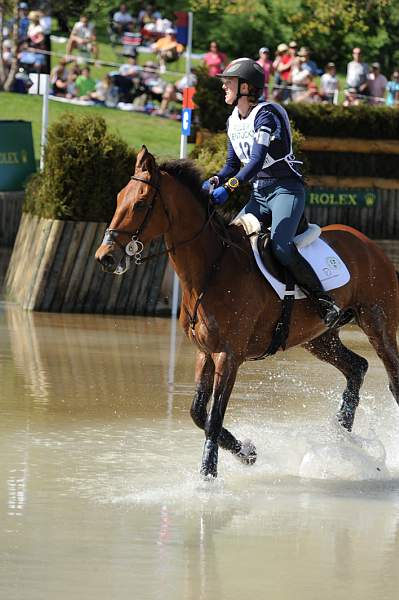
column 231, row 166
column 266, row 126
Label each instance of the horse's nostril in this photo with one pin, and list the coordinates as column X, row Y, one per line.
column 108, row 263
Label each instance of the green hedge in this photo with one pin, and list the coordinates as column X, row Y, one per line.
column 85, row 168
column 327, row 120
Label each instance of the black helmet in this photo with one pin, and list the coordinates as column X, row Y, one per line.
column 248, row 70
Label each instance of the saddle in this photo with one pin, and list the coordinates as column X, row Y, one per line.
column 264, row 248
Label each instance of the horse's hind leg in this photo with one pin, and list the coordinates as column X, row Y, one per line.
column 204, row 377
column 329, row 348
column 380, row 326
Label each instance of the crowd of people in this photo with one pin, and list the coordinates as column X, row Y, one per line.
column 291, row 74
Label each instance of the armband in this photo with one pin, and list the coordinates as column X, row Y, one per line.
column 232, row 184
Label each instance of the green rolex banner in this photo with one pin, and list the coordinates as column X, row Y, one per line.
column 17, row 159
column 360, row 198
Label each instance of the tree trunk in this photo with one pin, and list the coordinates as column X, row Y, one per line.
column 7, row 79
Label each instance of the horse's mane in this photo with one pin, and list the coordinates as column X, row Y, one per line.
column 185, row 171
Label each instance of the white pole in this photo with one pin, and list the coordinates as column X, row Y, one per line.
column 175, row 294
column 43, row 140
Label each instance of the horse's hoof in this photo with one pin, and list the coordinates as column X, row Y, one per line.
column 209, row 460
column 247, row 455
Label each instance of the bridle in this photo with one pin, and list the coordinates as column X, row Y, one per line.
column 135, row 246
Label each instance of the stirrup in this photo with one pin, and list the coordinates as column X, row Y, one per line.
column 331, row 312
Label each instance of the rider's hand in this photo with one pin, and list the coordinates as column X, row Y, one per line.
column 210, row 184
column 220, row 195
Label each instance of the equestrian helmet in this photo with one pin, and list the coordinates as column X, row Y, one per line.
column 248, row 70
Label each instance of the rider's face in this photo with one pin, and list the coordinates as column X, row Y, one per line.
column 230, row 86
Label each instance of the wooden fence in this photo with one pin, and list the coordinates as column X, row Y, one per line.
column 52, row 268
column 10, row 216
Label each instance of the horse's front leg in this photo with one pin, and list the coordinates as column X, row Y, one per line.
column 226, row 367
column 204, row 375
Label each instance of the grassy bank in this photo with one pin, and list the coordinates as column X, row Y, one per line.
column 161, row 136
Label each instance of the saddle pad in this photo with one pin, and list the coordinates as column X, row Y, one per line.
column 330, row 269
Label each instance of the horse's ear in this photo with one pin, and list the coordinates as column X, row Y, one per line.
column 145, row 161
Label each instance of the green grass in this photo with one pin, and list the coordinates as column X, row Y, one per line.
column 161, row 136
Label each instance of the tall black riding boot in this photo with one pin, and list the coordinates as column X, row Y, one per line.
column 308, row 281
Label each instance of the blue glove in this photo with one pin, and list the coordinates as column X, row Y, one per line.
column 210, row 184
column 220, row 195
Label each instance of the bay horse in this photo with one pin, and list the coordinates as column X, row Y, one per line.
column 228, row 310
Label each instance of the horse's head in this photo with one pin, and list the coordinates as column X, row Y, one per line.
column 140, row 216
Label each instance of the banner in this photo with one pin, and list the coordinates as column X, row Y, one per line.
column 357, row 198
column 182, row 27
column 17, row 159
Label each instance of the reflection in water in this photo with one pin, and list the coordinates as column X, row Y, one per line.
column 99, row 493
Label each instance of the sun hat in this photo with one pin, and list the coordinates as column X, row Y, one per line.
column 282, row 48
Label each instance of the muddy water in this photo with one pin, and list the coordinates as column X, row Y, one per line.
column 99, row 492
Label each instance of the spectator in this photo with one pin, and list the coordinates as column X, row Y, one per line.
column 292, row 48
column 147, row 15
column 59, row 78
column 83, row 38
column 73, row 74
column 106, row 92
column 85, row 84
column 7, row 54
column 310, row 95
column 46, row 24
column 393, row 90
column 215, row 60
column 357, row 71
column 267, row 66
column 309, row 65
column 122, row 20
column 351, row 97
column 30, row 60
column 167, row 48
column 23, row 11
column 282, row 66
column 36, row 37
column 173, row 92
column 377, row 83
column 301, row 77
column 329, row 83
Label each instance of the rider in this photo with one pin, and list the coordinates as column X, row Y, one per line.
column 260, row 151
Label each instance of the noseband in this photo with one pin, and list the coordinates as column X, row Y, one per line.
column 134, row 247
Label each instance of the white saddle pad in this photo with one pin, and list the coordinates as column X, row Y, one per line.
column 328, row 266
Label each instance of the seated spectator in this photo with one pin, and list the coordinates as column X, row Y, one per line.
column 174, row 92
column 85, row 84
column 83, row 38
column 329, row 83
column 215, row 60
column 393, row 90
column 7, row 54
column 30, row 60
column 59, row 78
column 73, row 74
column 147, row 15
column 357, row 71
column 310, row 95
column 167, row 49
column 377, row 83
column 106, row 92
column 351, row 97
column 122, row 20
column 309, row 65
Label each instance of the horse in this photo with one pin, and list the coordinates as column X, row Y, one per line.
column 228, row 310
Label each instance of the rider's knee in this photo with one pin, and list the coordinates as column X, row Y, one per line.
column 282, row 251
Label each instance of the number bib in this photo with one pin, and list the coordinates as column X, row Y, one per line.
column 241, row 132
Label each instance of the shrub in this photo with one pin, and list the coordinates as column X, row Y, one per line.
column 85, row 167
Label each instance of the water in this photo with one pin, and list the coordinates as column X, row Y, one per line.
column 99, row 490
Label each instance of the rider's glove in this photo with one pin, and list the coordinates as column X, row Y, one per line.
column 210, row 184
column 220, row 195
